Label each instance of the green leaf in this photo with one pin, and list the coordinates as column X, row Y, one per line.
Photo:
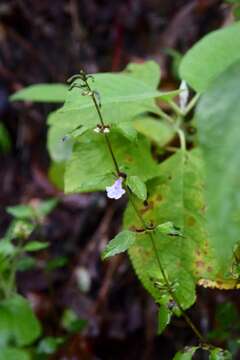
column 6, row 248
column 21, row 211
column 175, row 196
column 122, row 97
column 45, row 207
column 26, row 263
column 52, row 93
column 164, row 317
column 210, row 57
column 57, row 262
column 119, row 244
column 18, row 322
column 158, row 131
column 71, row 322
column 10, row 353
column 148, row 72
column 186, row 354
column 219, row 137
column 220, row 354
column 137, row 186
column 35, row 246
column 49, row 345
column 91, row 167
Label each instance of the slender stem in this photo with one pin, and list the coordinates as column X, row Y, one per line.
column 182, row 139
column 191, row 104
column 176, row 108
column 165, row 116
column 97, row 107
column 189, row 107
column 141, row 219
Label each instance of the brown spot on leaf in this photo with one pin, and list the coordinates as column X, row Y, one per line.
column 209, row 269
column 191, row 221
column 159, row 198
column 146, row 208
column 200, row 264
column 129, row 159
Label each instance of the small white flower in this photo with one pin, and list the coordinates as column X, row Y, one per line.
column 183, row 96
column 115, row 191
column 106, row 130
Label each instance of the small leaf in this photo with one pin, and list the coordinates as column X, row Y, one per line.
column 164, row 317
column 50, row 93
column 168, row 228
column 119, row 244
column 26, row 263
column 186, row 354
column 219, row 354
column 36, row 246
column 21, row 211
column 137, row 186
column 45, row 207
column 71, row 322
column 18, row 322
column 49, row 345
column 57, row 262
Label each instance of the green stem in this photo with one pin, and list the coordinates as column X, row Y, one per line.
column 139, row 215
column 189, row 107
column 191, row 104
column 182, row 139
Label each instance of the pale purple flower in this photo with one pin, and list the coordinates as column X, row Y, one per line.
column 183, row 96
column 115, row 191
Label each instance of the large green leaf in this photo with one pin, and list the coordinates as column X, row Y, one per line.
column 211, row 56
column 17, row 322
column 175, row 196
column 49, row 93
column 91, row 167
column 122, row 97
column 218, row 116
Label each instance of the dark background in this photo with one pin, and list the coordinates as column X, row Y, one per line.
column 48, row 41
